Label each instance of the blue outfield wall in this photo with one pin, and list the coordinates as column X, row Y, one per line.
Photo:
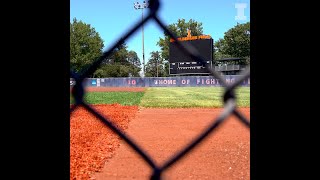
column 182, row 81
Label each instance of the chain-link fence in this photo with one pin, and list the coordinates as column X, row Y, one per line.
column 229, row 97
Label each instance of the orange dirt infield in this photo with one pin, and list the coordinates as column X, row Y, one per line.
column 118, row 89
column 96, row 153
column 91, row 142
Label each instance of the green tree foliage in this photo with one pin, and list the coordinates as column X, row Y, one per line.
column 120, row 54
column 85, row 45
column 135, row 63
column 113, row 70
column 236, row 43
column 156, row 66
column 121, row 63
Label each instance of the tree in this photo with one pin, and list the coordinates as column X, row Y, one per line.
column 120, row 54
column 133, row 58
column 219, row 51
column 155, row 66
column 112, row 70
column 135, row 64
column 236, row 43
column 121, row 63
column 85, row 45
column 180, row 30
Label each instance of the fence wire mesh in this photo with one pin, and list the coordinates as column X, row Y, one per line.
column 229, row 97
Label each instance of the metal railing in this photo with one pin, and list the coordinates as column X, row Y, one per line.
column 229, row 97
column 231, row 67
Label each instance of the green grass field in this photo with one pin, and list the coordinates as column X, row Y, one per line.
column 123, row 98
column 175, row 97
column 172, row 97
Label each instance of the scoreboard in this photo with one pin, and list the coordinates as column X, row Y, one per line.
column 181, row 63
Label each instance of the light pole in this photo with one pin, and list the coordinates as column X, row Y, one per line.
column 142, row 6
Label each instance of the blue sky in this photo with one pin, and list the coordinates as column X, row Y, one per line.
column 112, row 18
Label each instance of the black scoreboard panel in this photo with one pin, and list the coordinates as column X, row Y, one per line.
column 181, row 63
column 204, row 46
